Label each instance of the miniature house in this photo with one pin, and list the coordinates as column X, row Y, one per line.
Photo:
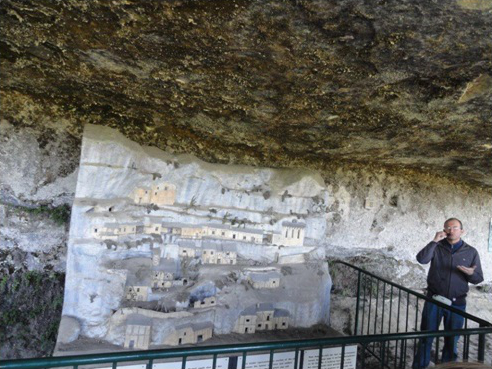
column 138, row 331
column 205, row 303
column 192, row 333
column 111, row 231
column 191, row 231
column 153, row 226
column 137, row 293
column 187, row 252
column 126, row 229
column 142, row 196
column 224, row 232
column 161, row 194
column 261, row 280
column 163, row 273
column 292, row 234
column 218, row 254
column 281, row 319
column 137, row 288
column 262, row 316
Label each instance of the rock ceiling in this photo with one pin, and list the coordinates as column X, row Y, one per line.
column 395, row 84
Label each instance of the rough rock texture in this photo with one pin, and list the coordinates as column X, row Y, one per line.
column 270, row 83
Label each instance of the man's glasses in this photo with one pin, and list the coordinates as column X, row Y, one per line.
column 454, row 228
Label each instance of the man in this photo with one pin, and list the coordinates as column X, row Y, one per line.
column 454, row 264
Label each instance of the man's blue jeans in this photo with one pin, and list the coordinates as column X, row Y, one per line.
column 431, row 319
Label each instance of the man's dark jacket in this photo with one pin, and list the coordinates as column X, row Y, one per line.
column 444, row 278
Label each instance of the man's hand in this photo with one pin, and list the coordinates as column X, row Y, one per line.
column 467, row 270
column 440, row 236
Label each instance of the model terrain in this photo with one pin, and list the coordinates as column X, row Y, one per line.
column 167, row 250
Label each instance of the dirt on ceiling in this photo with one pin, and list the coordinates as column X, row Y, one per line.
column 396, row 84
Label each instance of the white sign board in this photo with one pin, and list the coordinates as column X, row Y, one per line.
column 331, row 358
column 281, row 360
column 222, row 363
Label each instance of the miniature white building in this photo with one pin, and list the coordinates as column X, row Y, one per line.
column 183, row 230
column 161, row 194
column 137, row 293
column 163, row 274
column 191, row 333
column 153, row 226
column 292, row 234
column 138, row 332
column 261, row 280
column 137, row 288
column 262, row 316
column 225, row 232
column 218, row 254
column 205, row 303
column 111, row 231
column 187, row 252
column 281, row 319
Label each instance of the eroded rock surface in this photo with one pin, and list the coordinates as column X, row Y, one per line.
column 274, row 83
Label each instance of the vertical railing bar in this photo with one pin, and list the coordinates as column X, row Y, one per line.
column 115, row 364
column 382, row 317
column 481, row 346
column 382, row 344
column 376, row 312
column 404, row 348
column 363, row 306
column 396, row 354
column 391, row 310
column 466, row 344
column 320, row 356
column 214, row 361
column 270, row 364
column 436, row 355
column 390, row 318
column 150, row 364
column 243, row 364
column 398, row 314
column 357, row 304
column 376, row 319
column 342, row 359
column 416, row 324
column 397, row 324
column 183, row 362
column 296, row 358
column 382, row 311
column 363, row 356
column 370, row 308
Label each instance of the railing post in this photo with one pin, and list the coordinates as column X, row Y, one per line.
column 481, row 346
column 357, row 304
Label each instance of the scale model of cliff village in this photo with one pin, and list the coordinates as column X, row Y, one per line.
column 168, row 250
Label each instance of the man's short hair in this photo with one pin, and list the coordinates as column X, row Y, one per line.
column 459, row 221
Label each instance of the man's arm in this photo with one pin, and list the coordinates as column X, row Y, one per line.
column 427, row 253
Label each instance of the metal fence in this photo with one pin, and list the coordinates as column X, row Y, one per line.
column 385, row 335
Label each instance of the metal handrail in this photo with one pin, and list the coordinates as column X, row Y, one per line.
column 242, row 349
column 480, row 321
column 226, row 349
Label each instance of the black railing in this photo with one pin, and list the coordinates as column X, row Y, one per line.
column 384, row 307
column 385, row 335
